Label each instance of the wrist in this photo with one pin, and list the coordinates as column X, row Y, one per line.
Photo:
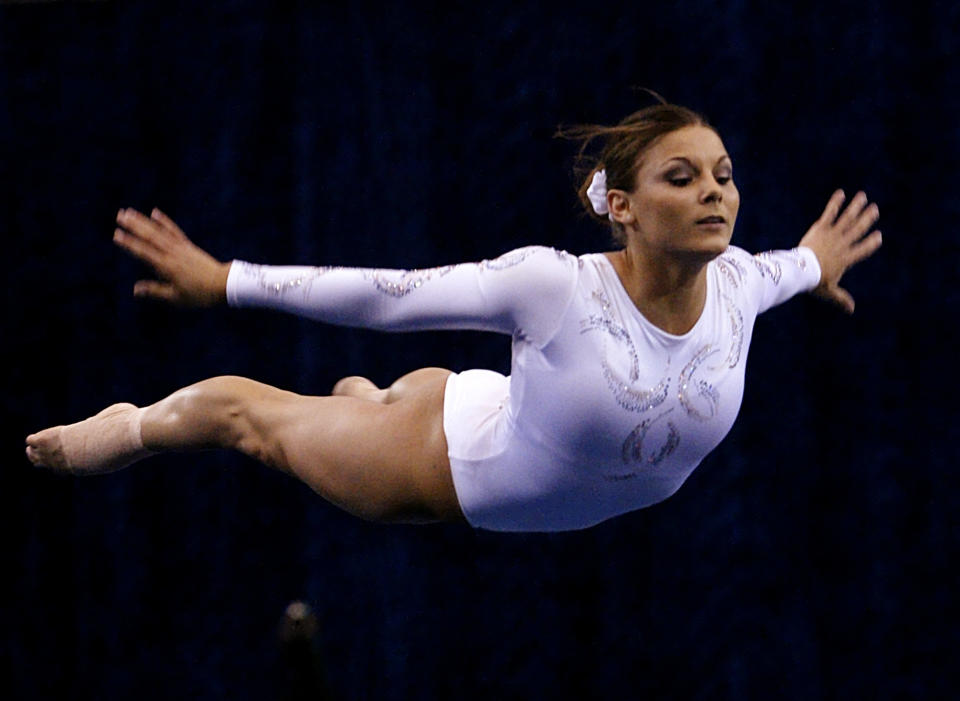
column 811, row 262
column 220, row 283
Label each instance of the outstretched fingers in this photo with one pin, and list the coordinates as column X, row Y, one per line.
column 863, row 222
column 139, row 224
column 143, row 248
column 156, row 290
column 158, row 230
column 840, row 239
column 152, row 240
column 168, row 224
column 856, row 241
column 187, row 274
column 853, row 212
column 139, row 236
column 866, row 247
column 832, row 210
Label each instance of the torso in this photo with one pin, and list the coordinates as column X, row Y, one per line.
column 614, row 413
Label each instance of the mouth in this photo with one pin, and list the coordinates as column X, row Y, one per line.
column 716, row 219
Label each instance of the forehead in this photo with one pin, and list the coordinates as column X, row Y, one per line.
column 696, row 144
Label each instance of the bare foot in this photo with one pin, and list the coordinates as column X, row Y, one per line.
column 44, row 449
column 103, row 443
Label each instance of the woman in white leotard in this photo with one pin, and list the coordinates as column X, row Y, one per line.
column 627, row 367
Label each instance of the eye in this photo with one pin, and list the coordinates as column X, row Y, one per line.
column 724, row 179
column 680, row 181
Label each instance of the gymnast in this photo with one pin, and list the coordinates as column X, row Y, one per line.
column 627, row 366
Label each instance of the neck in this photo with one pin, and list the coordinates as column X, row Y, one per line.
column 670, row 292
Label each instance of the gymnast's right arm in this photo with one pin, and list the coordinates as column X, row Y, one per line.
column 523, row 291
column 189, row 276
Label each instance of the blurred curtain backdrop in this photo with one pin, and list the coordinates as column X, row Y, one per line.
column 807, row 558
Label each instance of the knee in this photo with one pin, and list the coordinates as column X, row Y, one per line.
column 359, row 387
column 345, row 385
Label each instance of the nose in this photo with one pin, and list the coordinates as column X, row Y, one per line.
column 712, row 192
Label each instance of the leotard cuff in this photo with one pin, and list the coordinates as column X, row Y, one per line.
column 810, row 266
column 233, row 293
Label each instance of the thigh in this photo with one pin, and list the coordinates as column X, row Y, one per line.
column 383, row 462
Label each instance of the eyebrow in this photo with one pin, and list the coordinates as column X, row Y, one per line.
column 690, row 163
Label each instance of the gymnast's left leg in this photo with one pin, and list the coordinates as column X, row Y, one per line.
column 380, row 461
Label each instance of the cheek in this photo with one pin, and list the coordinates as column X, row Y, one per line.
column 672, row 204
column 734, row 202
column 679, row 209
column 663, row 218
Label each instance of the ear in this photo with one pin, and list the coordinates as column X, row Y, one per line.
column 619, row 207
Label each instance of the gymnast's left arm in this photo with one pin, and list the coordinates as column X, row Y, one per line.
column 840, row 240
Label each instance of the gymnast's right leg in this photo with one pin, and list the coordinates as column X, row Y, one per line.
column 380, row 461
column 408, row 385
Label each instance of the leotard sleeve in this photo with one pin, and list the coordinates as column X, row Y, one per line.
column 772, row 277
column 524, row 291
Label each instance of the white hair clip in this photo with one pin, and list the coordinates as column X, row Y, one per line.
column 597, row 193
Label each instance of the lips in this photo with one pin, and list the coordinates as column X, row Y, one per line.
column 716, row 219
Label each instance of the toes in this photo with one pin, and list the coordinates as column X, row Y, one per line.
column 34, row 456
column 43, row 448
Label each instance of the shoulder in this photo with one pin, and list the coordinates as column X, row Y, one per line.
column 743, row 275
column 736, row 255
column 532, row 265
column 538, row 271
column 765, row 265
column 734, row 266
column 532, row 256
column 768, row 278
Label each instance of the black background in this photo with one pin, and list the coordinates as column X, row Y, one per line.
column 808, row 557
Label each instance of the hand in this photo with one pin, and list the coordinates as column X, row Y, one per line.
column 189, row 276
column 840, row 242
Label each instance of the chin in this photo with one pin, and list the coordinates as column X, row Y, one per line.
column 706, row 250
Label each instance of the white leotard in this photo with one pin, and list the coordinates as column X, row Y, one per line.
column 603, row 412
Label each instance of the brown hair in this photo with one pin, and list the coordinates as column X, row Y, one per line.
column 623, row 146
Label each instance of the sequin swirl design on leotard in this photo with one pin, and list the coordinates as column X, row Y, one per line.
column 510, row 259
column 632, row 450
column 638, row 400
column 768, row 266
column 300, row 282
column 705, row 391
column 402, row 282
column 731, row 269
column 634, row 400
column 735, row 316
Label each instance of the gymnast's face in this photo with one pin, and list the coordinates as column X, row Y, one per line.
column 684, row 203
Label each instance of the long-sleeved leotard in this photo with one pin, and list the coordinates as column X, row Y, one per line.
column 603, row 412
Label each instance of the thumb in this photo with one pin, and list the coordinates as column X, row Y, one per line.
column 843, row 299
column 155, row 290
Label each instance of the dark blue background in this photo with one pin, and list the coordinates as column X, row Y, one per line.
column 807, row 558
